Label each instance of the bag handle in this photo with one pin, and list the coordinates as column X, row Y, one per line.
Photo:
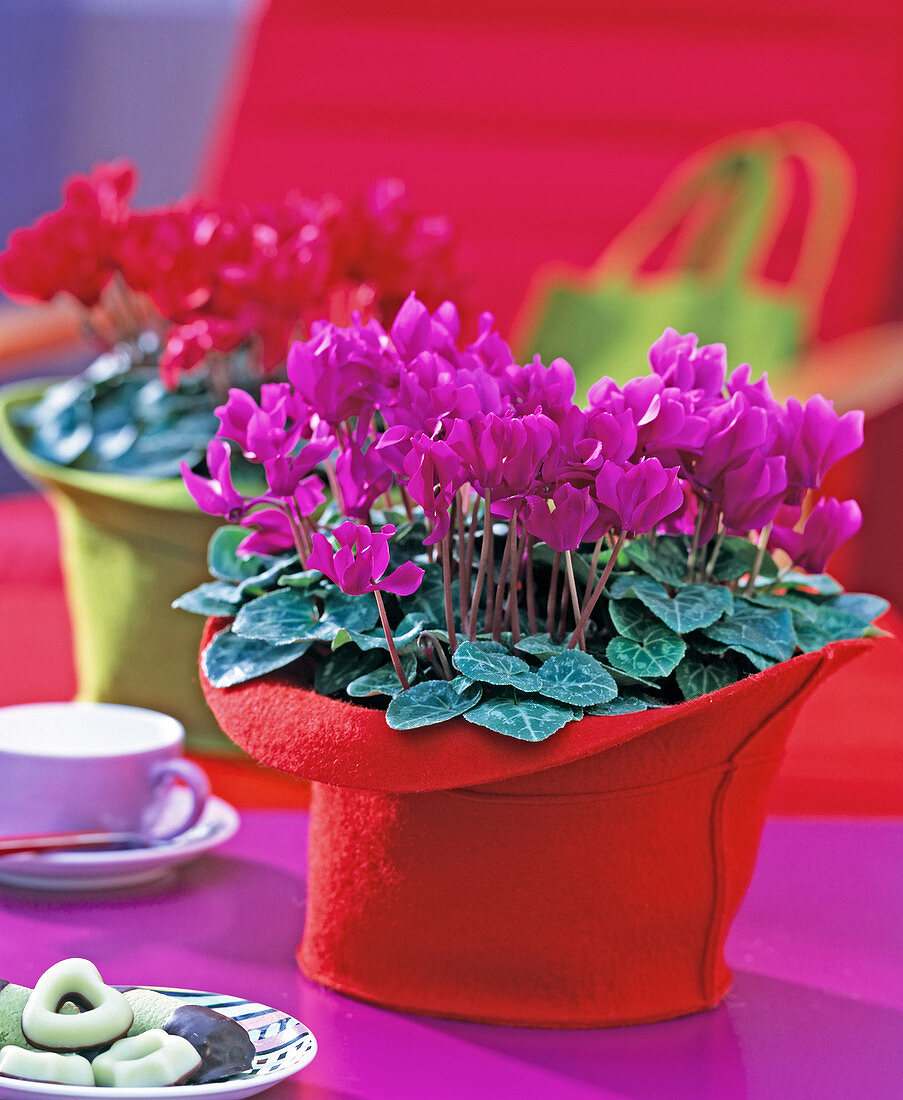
column 729, row 203
column 832, row 185
column 742, row 167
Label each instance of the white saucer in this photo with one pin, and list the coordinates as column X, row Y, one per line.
column 283, row 1045
column 130, row 867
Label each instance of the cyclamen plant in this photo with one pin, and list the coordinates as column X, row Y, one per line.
column 530, row 561
column 189, row 299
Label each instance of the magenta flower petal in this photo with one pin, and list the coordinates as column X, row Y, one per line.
column 829, row 525
column 215, row 495
column 404, row 581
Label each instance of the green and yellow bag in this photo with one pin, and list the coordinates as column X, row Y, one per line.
column 718, row 218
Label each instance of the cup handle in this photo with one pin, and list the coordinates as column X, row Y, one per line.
column 198, row 784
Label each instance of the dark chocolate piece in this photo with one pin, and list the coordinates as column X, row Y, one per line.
column 224, row 1045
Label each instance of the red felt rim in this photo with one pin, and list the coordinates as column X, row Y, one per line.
column 285, row 725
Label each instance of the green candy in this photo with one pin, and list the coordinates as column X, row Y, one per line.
column 12, row 1001
column 151, row 1009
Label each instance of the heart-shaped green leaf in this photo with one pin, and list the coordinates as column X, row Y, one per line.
column 818, row 582
column 223, row 561
column 758, row 660
column 666, row 561
column 524, row 718
column 577, row 679
column 359, row 613
column 491, row 663
column 404, row 636
column 230, row 659
column 692, row 608
column 282, row 617
column 624, row 704
column 696, row 677
column 827, row 625
column 800, row 603
column 765, row 630
column 860, row 605
column 347, row 663
column 631, row 618
column 212, row 598
column 657, row 652
column 430, row 702
column 540, row 645
column 737, row 557
column 383, row 681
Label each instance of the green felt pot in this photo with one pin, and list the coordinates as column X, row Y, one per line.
column 129, row 547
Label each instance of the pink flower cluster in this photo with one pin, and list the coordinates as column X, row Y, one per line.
column 408, row 415
column 224, row 275
column 72, row 250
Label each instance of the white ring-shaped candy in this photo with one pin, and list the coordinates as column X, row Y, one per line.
column 104, row 1014
column 38, row 1065
column 152, row 1058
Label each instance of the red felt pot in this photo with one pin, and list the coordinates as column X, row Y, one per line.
column 588, row 880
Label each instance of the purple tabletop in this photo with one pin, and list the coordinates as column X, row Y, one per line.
column 816, row 1009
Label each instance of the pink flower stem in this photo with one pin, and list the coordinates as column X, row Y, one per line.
column 716, row 550
column 512, row 611
column 406, row 501
column 126, row 304
column 597, row 591
column 553, row 593
column 489, row 541
column 471, row 540
column 759, row 558
column 572, row 583
column 694, row 545
column 435, row 654
column 387, row 630
column 481, row 574
column 463, row 563
column 334, row 485
column 112, row 307
column 593, row 567
column 562, row 617
column 530, row 582
column 500, row 590
column 429, row 646
column 447, row 590
column 101, row 324
column 298, row 535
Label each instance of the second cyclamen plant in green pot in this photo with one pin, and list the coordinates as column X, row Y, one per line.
column 185, row 301
column 448, row 545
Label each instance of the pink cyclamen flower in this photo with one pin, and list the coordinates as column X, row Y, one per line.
column 753, row 493
column 638, row 497
column 343, row 372
column 359, row 564
column 816, row 437
column 434, row 474
column 362, row 477
column 566, row 520
column 829, row 525
column 215, row 495
column 187, row 346
column 271, row 533
column 680, row 361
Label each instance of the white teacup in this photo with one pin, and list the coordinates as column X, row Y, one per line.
column 93, row 766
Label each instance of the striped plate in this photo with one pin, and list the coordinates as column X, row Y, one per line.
column 283, row 1045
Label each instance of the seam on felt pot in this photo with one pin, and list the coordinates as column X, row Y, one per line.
column 719, row 899
column 619, row 793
